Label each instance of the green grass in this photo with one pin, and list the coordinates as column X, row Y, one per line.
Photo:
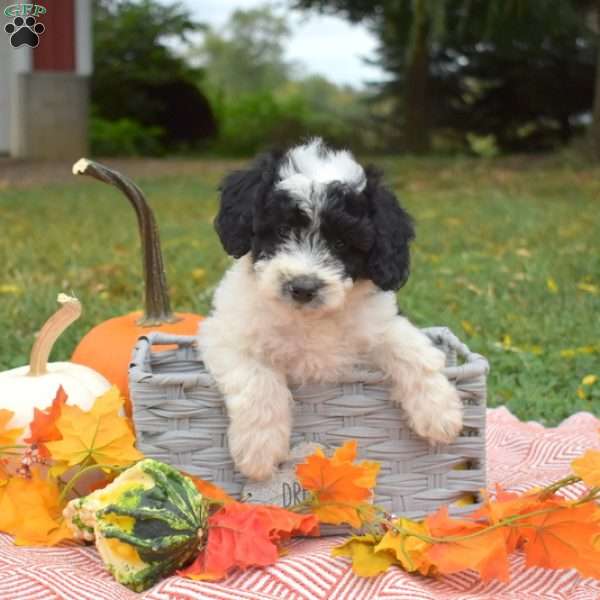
column 492, row 239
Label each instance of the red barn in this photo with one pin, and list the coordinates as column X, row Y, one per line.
column 44, row 77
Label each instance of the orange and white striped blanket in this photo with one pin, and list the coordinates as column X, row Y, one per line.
column 520, row 455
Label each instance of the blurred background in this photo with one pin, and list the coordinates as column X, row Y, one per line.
column 231, row 77
column 485, row 115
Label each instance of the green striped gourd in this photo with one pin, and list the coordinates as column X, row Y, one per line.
column 147, row 523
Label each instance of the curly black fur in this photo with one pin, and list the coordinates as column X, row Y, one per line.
column 367, row 231
column 239, row 192
column 389, row 258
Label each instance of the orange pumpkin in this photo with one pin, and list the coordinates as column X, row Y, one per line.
column 107, row 347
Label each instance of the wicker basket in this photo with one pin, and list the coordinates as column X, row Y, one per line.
column 180, row 419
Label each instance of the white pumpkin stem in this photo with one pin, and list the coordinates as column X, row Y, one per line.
column 69, row 311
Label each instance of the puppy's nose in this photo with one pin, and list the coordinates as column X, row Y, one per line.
column 304, row 288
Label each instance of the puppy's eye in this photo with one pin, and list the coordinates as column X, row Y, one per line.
column 339, row 244
column 282, row 231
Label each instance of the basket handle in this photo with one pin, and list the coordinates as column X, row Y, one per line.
column 474, row 364
column 156, row 338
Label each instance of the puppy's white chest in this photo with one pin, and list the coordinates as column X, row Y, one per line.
column 315, row 351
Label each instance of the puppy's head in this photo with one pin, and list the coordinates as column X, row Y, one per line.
column 314, row 222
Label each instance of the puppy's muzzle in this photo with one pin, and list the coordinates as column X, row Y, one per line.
column 303, row 289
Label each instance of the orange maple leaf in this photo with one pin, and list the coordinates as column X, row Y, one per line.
column 561, row 535
column 341, row 489
column 246, row 535
column 8, row 437
column 588, row 468
column 469, row 546
column 210, row 490
column 507, row 504
column 30, row 511
column 43, row 427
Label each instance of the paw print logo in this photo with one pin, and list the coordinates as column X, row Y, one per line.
column 24, row 32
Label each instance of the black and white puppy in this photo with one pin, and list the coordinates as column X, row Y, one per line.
column 321, row 245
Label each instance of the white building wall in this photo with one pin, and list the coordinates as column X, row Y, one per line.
column 5, row 90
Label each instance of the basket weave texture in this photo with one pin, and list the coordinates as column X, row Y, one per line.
column 180, row 418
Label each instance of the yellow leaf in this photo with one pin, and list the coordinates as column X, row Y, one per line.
column 506, row 341
column 365, row 561
column 105, row 438
column 552, row 285
column 468, row 327
column 8, row 437
column 9, row 288
column 588, row 468
column 588, row 287
column 581, row 393
column 30, row 511
column 589, row 379
column 409, row 550
column 199, row 274
column 523, row 252
column 110, row 402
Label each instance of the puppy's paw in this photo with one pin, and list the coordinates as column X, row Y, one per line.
column 438, row 416
column 257, row 452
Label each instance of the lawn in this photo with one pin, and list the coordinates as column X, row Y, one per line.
column 507, row 255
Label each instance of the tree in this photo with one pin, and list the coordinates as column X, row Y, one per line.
column 138, row 75
column 418, row 39
column 248, row 56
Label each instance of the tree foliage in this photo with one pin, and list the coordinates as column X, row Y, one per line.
column 519, row 70
column 261, row 99
column 248, row 55
column 139, row 77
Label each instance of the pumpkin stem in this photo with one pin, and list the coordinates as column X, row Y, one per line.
column 157, row 304
column 52, row 329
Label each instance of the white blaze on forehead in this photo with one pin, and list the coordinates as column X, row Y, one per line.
column 321, row 165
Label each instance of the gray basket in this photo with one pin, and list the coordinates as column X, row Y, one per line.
column 180, row 418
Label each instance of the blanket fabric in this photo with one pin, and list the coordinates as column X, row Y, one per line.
column 520, row 455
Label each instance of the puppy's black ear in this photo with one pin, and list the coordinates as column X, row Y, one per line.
column 389, row 260
column 240, row 191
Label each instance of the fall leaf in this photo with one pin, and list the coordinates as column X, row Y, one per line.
column 210, row 490
column 507, row 504
column 552, row 285
column 43, row 427
column 8, row 437
column 485, row 553
column 30, row 511
column 246, row 535
column 340, row 488
column 365, row 561
column 111, row 402
column 560, row 535
column 409, row 550
column 588, row 468
column 100, row 435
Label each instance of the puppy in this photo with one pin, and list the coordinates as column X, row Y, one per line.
column 321, row 245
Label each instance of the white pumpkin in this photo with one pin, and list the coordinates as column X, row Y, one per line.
column 35, row 385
